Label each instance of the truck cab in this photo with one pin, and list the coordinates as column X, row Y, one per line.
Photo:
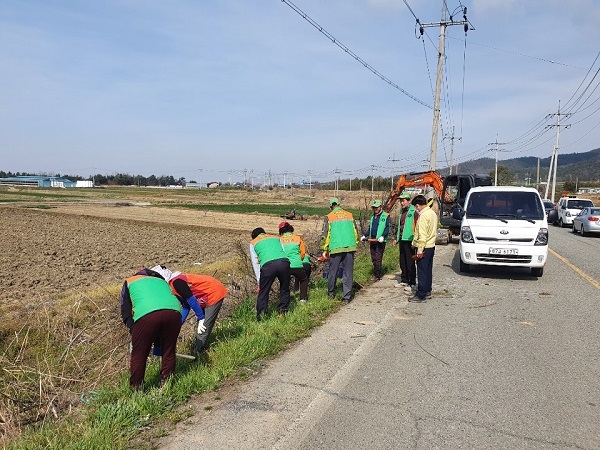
column 503, row 226
column 454, row 194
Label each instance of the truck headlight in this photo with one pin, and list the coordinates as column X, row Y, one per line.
column 466, row 235
column 542, row 237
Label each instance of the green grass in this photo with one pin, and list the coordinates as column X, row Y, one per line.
column 114, row 417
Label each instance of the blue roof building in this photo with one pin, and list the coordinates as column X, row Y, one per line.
column 38, row 181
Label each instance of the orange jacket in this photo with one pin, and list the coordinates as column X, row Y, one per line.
column 208, row 290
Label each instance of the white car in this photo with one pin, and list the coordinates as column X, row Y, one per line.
column 587, row 221
column 504, row 226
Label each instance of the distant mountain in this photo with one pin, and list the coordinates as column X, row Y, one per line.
column 571, row 167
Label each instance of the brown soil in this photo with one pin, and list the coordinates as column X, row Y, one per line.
column 47, row 254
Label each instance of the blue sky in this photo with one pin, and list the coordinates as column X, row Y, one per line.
column 213, row 90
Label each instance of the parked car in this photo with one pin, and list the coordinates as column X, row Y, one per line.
column 587, row 221
column 548, row 206
column 569, row 207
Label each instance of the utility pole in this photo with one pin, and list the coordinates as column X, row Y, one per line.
column 372, row 179
column 393, row 160
column 554, row 158
column 537, row 177
column 550, row 173
column 337, row 180
column 452, row 139
column 496, row 144
column 443, row 24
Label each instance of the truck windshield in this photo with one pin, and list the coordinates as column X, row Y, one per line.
column 579, row 204
column 511, row 205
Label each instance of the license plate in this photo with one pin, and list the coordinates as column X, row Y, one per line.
column 503, row 251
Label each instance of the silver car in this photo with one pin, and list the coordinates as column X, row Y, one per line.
column 587, row 221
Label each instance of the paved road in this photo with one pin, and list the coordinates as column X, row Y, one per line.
column 496, row 360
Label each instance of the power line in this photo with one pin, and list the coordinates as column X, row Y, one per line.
column 351, row 53
column 521, row 54
column 582, row 81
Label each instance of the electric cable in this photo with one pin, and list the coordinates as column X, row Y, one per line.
column 520, row 54
column 582, row 81
column 351, row 53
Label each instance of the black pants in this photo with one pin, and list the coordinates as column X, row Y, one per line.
column 277, row 269
column 408, row 269
column 308, row 270
column 377, row 249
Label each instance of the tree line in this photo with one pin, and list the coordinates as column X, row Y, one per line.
column 506, row 177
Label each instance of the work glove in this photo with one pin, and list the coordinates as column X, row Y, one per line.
column 363, row 238
column 201, row 327
column 380, row 239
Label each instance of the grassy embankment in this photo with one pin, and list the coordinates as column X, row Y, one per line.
column 111, row 415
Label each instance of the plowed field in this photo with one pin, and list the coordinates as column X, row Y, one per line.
column 46, row 254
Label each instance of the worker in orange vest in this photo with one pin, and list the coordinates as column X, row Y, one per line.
column 210, row 294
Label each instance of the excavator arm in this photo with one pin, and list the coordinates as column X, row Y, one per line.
column 430, row 178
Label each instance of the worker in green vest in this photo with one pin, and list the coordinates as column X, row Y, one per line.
column 269, row 262
column 339, row 240
column 377, row 234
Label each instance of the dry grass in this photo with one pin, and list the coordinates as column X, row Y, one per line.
column 55, row 356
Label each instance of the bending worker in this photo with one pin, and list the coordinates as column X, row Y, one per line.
column 209, row 294
column 269, row 262
column 295, row 250
column 153, row 314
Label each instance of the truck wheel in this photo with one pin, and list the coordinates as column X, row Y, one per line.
column 464, row 267
column 537, row 271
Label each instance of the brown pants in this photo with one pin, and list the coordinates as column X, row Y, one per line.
column 300, row 274
column 161, row 326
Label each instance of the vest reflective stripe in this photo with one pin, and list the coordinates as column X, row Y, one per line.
column 149, row 294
